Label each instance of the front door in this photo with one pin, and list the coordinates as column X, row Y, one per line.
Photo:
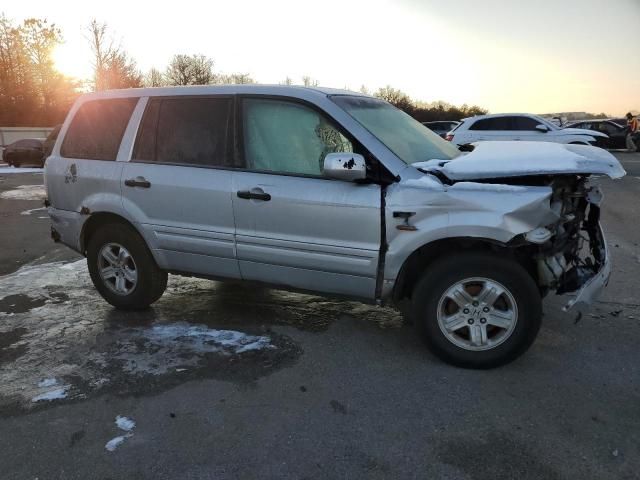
column 525, row 129
column 177, row 186
column 295, row 227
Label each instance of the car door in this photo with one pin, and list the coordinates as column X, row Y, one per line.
column 524, row 128
column 177, row 185
column 616, row 134
column 295, row 227
column 493, row 128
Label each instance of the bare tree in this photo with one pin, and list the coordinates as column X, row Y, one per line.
column 287, row 81
column 235, row 78
column 190, row 70
column 113, row 68
column 154, row 78
column 307, row 81
column 396, row 98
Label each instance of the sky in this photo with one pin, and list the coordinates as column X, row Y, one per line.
column 538, row 56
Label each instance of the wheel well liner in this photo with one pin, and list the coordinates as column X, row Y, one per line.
column 415, row 264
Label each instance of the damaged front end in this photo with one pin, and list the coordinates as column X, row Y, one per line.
column 571, row 255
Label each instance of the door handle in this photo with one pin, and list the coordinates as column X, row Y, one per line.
column 137, row 182
column 247, row 194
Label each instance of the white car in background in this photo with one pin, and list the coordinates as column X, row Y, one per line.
column 520, row 126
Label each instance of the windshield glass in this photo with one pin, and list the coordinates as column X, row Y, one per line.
column 410, row 140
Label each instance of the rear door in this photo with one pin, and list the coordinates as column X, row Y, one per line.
column 493, row 128
column 295, row 227
column 177, row 186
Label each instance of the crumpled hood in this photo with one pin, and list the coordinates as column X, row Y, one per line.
column 517, row 159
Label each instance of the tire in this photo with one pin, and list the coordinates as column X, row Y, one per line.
column 503, row 340
column 116, row 241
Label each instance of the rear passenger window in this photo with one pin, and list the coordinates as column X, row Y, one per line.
column 525, row 123
column 97, row 128
column 189, row 131
column 498, row 123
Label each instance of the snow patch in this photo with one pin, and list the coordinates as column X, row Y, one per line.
column 160, row 349
column 511, row 159
column 29, row 212
column 435, row 162
column 47, row 382
column 426, row 181
column 114, row 443
column 10, row 170
column 25, row 192
column 204, row 339
column 125, row 423
column 57, row 394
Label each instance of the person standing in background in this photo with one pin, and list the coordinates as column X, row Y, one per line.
column 632, row 129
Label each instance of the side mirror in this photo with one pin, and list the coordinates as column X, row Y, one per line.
column 345, row 166
column 542, row 128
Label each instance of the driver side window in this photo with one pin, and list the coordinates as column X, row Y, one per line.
column 287, row 137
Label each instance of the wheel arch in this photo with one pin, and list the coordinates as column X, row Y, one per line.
column 98, row 219
column 420, row 259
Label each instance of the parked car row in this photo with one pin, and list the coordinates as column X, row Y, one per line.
column 30, row 151
column 604, row 133
column 520, row 127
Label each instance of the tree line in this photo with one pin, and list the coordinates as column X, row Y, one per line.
column 34, row 93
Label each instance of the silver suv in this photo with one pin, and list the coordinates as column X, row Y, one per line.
column 332, row 192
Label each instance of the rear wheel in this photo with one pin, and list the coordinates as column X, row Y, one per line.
column 477, row 310
column 122, row 268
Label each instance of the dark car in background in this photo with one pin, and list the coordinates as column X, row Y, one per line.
column 441, row 127
column 615, row 131
column 619, row 121
column 28, row 151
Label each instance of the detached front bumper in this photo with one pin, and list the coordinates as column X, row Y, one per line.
column 590, row 290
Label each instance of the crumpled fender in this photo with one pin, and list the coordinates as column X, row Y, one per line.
column 484, row 211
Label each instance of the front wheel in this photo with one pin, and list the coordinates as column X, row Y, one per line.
column 477, row 310
column 122, row 268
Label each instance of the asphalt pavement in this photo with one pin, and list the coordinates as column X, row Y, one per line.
column 228, row 381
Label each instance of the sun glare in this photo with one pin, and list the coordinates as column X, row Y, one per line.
column 72, row 62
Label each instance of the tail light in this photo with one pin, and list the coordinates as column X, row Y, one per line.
column 449, row 137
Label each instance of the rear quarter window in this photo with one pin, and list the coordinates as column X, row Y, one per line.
column 457, row 126
column 97, row 128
